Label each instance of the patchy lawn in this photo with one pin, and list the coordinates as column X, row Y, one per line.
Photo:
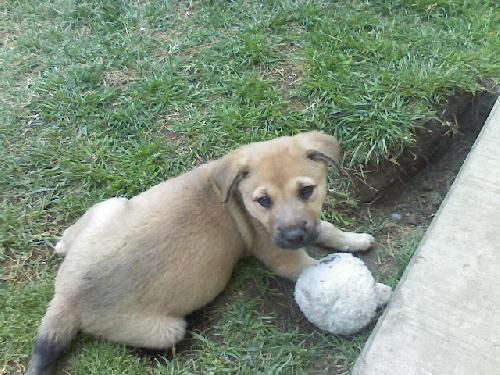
column 109, row 97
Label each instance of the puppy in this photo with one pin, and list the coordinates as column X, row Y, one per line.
column 134, row 268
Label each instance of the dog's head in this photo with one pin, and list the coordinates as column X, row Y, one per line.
column 282, row 184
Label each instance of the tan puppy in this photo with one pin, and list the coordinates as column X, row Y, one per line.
column 134, row 268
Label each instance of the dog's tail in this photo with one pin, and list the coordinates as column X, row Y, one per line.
column 59, row 326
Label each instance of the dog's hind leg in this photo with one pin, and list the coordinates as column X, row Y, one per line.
column 59, row 325
column 151, row 332
column 332, row 237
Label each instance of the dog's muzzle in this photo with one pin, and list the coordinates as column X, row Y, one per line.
column 295, row 237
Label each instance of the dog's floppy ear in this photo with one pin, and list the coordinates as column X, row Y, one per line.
column 227, row 173
column 322, row 147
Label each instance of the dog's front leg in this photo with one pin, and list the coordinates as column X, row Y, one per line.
column 332, row 237
column 285, row 263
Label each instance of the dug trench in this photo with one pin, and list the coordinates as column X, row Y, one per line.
column 401, row 208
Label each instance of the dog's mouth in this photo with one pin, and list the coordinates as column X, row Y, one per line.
column 296, row 242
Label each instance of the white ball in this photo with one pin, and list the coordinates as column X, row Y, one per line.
column 339, row 294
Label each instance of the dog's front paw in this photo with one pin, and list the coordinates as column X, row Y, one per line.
column 358, row 241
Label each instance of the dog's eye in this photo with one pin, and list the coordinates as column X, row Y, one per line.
column 305, row 192
column 265, row 201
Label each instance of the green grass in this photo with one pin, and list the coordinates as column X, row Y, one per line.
column 105, row 98
column 400, row 254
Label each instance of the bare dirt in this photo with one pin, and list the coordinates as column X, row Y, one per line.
column 406, row 205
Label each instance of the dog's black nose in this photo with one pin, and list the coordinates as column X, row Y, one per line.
column 293, row 237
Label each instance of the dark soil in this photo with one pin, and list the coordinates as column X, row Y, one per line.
column 407, row 205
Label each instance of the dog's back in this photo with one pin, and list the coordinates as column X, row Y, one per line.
column 97, row 216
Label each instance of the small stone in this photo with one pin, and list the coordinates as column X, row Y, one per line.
column 396, row 216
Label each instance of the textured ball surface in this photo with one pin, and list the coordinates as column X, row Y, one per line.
column 339, row 294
